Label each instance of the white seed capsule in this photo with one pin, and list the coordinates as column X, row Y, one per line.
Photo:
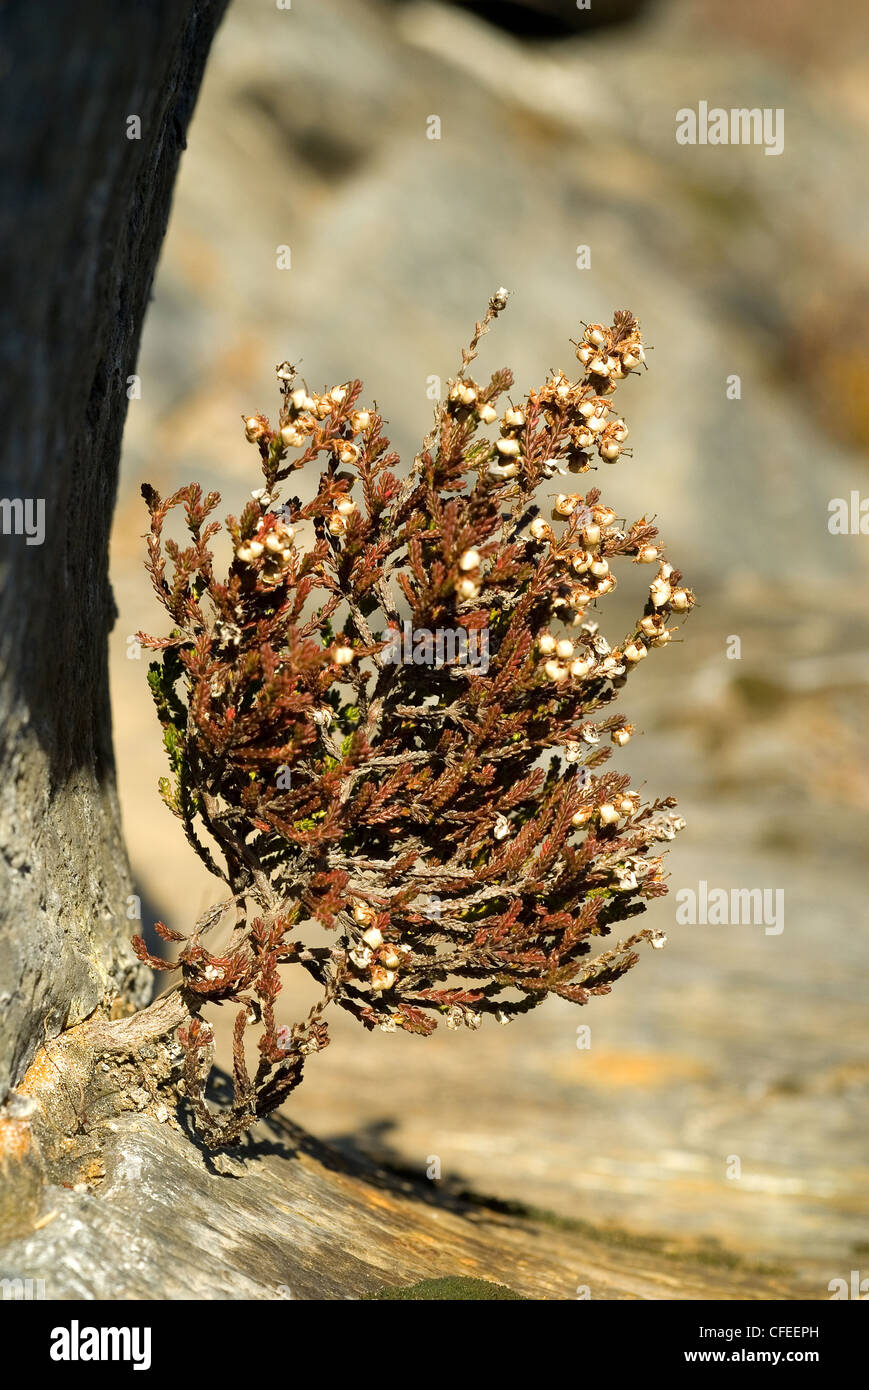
column 564, row 648
column 487, row 414
column 360, row 420
column 608, row 814
column 662, row 638
column 659, row 592
column 337, row 394
column 646, row 555
column 342, row 656
column 635, row 651
column 681, row 600
column 599, row 366
column 336, row 524
column 607, row 584
column 565, row 503
column 514, row 419
column 345, row 507
column 467, row 588
column 255, row 548
column 468, row 395
column 609, row 451
column 580, row 561
column 596, row 335
column 508, row 448
column 555, row 671
column 470, row 560
column 591, row 535
column 581, row 667
column 599, row 567
column 291, row 437
column 501, row 827
column 546, row 643
column 584, row 353
column 349, row 453
column 539, row 528
column 582, row 816
column 620, row 737
column 390, row 958
column 363, row 914
column 373, row 938
column 381, row 979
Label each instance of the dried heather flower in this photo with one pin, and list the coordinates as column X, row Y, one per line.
column 326, row 781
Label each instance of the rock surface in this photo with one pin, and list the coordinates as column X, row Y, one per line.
column 731, row 1042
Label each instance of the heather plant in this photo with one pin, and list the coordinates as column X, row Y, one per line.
column 451, row 830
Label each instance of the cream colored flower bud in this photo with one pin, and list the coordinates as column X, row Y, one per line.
column 651, row 625
column 487, row 414
column 470, row 560
column 546, row 643
column 468, row 395
column 663, row 637
column 604, row 516
column 381, row 979
column 349, row 453
column 254, row 428
column 584, row 353
column 582, row 816
column 390, row 958
column 373, row 937
column 620, row 737
column 599, row 567
column 564, row 648
column 345, row 507
column 607, row 584
column 635, row 651
column 597, row 335
column 610, row 450
column 508, row 448
column 608, row 814
column 565, row 504
column 591, row 535
column 501, row 827
column 336, row 525
column 587, row 408
column 514, row 419
column 467, row 588
column 581, row 667
column 646, row 555
column 360, row 420
column 555, row 671
column 620, row 431
column 291, row 437
column 539, row 528
column 363, row 914
column 659, row 592
column 255, row 548
column 342, row 656
column 584, row 439
column 681, row 600
column 274, row 542
column 580, row 561
column 338, row 394
column 245, row 554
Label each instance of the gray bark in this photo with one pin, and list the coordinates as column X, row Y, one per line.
column 84, row 210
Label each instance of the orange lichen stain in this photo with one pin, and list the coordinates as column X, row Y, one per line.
column 626, row 1069
column 16, row 1141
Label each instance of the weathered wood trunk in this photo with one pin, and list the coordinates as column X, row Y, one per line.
column 94, row 106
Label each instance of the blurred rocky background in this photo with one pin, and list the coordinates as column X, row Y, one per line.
column 557, row 132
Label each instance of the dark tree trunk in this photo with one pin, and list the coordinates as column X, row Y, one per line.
column 83, row 210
